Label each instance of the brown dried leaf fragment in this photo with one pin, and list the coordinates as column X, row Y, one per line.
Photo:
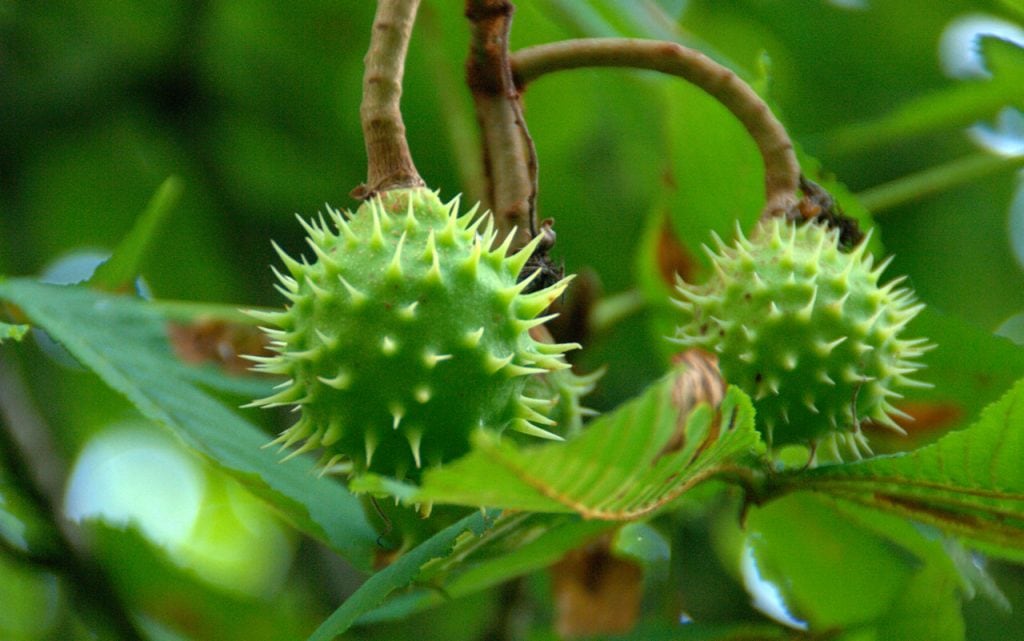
column 596, row 592
column 672, row 256
column 218, row 342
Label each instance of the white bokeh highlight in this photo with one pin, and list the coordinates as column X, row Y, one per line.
column 137, row 477
column 959, row 45
column 766, row 596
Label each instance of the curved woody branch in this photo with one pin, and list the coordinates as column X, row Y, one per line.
column 782, row 170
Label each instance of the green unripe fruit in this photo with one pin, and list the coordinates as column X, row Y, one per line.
column 407, row 333
column 806, row 330
column 566, row 390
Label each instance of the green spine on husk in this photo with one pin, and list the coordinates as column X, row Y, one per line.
column 566, row 390
column 408, row 332
column 807, row 331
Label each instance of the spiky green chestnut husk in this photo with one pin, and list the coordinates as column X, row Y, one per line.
column 566, row 390
column 407, row 333
column 807, row 331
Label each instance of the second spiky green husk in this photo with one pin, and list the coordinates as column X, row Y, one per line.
column 806, row 330
column 407, row 333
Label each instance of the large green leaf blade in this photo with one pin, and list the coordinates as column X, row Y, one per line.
column 969, row 483
column 625, row 465
column 399, row 574
column 517, row 545
column 124, row 341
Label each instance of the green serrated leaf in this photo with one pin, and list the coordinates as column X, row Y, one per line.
column 12, row 332
column 399, row 574
column 124, row 341
column 625, row 465
column 125, row 263
column 969, row 483
column 521, row 542
column 517, row 545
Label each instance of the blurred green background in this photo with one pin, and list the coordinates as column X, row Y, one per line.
column 254, row 104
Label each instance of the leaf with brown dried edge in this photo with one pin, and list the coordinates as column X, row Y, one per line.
column 626, row 464
column 969, row 483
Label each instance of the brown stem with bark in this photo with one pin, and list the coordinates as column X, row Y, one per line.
column 510, row 159
column 782, row 170
column 389, row 161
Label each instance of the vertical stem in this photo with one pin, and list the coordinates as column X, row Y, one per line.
column 390, row 164
column 509, row 155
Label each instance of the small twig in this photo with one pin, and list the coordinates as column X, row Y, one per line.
column 389, row 161
column 388, row 525
column 782, row 171
column 509, row 155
